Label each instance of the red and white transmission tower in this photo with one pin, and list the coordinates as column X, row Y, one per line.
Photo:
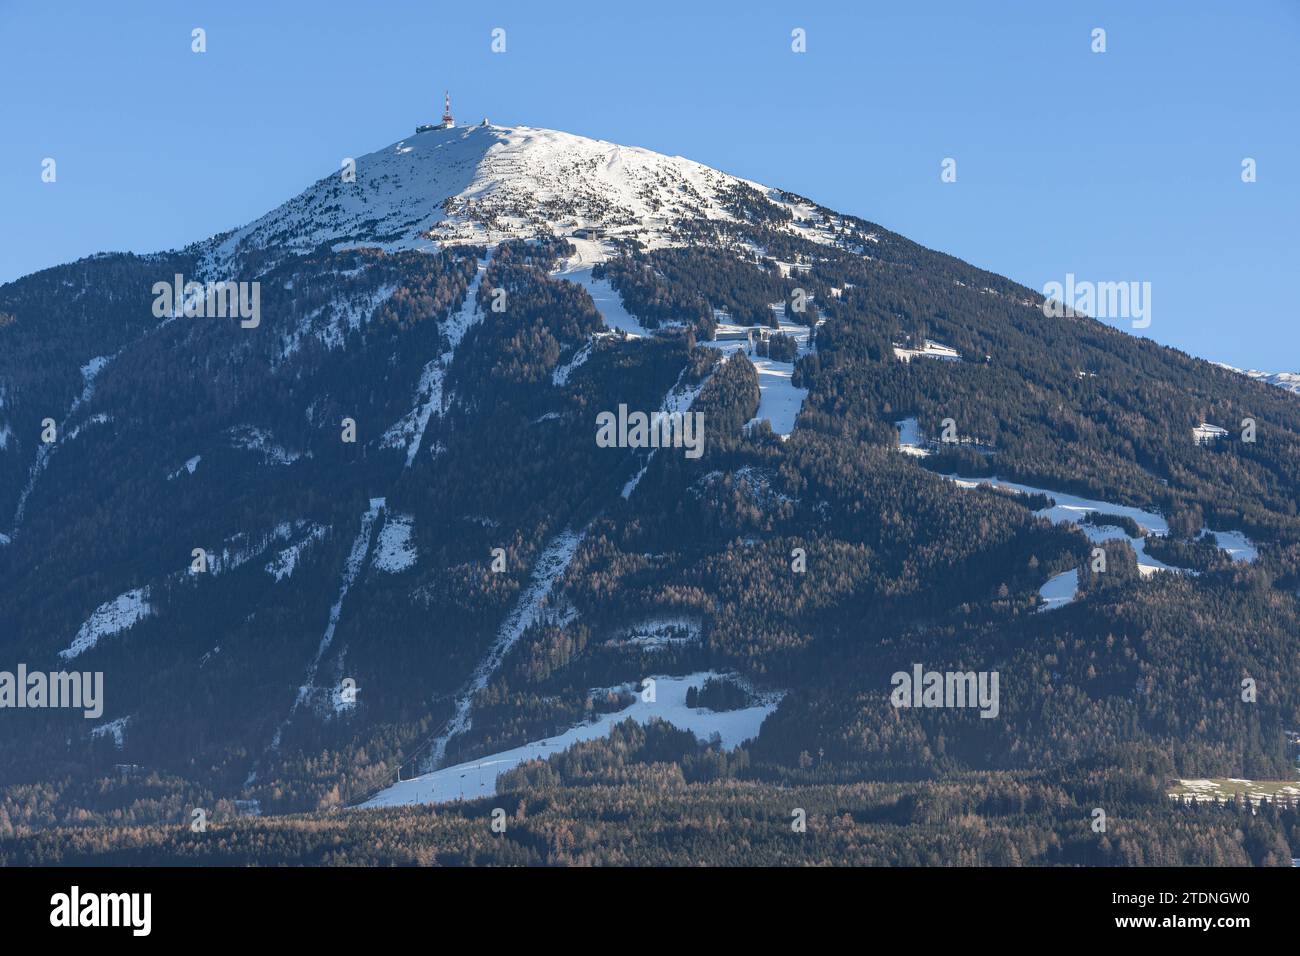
column 447, row 121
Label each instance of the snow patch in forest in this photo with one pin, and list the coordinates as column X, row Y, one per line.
column 115, row 729
column 408, row 431
column 188, row 468
column 779, row 401
column 678, row 400
column 478, row 778
column 931, row 349
column 283, row 564
column 560, row 377
column 1059, row 590
column 240, row 548
column 607, row 301
column 330, row 323
column 757, row 481
column 255, row 439
column 351, row 568
column 550, row 567
column 111, row 617
column 89, row 372
column 1072, row 508
column 395, row 551
column 659, row 632
column 910, row 441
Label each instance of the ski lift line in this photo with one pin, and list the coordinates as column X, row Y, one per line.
column 577, row 510
column 396, row 775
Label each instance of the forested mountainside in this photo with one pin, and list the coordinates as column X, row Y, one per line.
column 653, row 795
column 486, row 575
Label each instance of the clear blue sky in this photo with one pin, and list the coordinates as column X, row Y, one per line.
column 1116, row 166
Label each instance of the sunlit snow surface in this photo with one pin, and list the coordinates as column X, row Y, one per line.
column 931, row 349
column 484, row 184
column 477, row 778
column 607, row 301
column 529, row 608
column 779, row 400
column 910, row 441
column 1287, row 380
column 1059, row 590
column 111, row 617
column 395, row 551
column 1072, row 508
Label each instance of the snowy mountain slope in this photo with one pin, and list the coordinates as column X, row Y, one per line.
column 482, row 184
column 1287, row 380
column 474, row 432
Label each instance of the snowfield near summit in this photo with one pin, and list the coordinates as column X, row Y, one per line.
column 482, row 184
column 1286, row 380
column 478, row 778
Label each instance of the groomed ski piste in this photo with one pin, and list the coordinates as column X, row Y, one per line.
column 779, row 400
column 1072, row 508
column 478, row 778
column 1063, row 588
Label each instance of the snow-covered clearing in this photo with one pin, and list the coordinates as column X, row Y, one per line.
column 115, row 729
column 607, row 300
column 659, row 632
column 1059, row 590
column 560, row 377
column 935, row 350
column 186, row 469
column 779, row 401
column 478, row 778
column 910, row 441
column 394, row 550
column 1072, row 508
column 111, row 617
column 259, row 440
column 284, row 563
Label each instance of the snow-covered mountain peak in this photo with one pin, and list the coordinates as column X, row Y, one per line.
column 1287, row 380
column 483, row 184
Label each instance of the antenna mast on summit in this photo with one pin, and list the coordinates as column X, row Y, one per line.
column 447, row 121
